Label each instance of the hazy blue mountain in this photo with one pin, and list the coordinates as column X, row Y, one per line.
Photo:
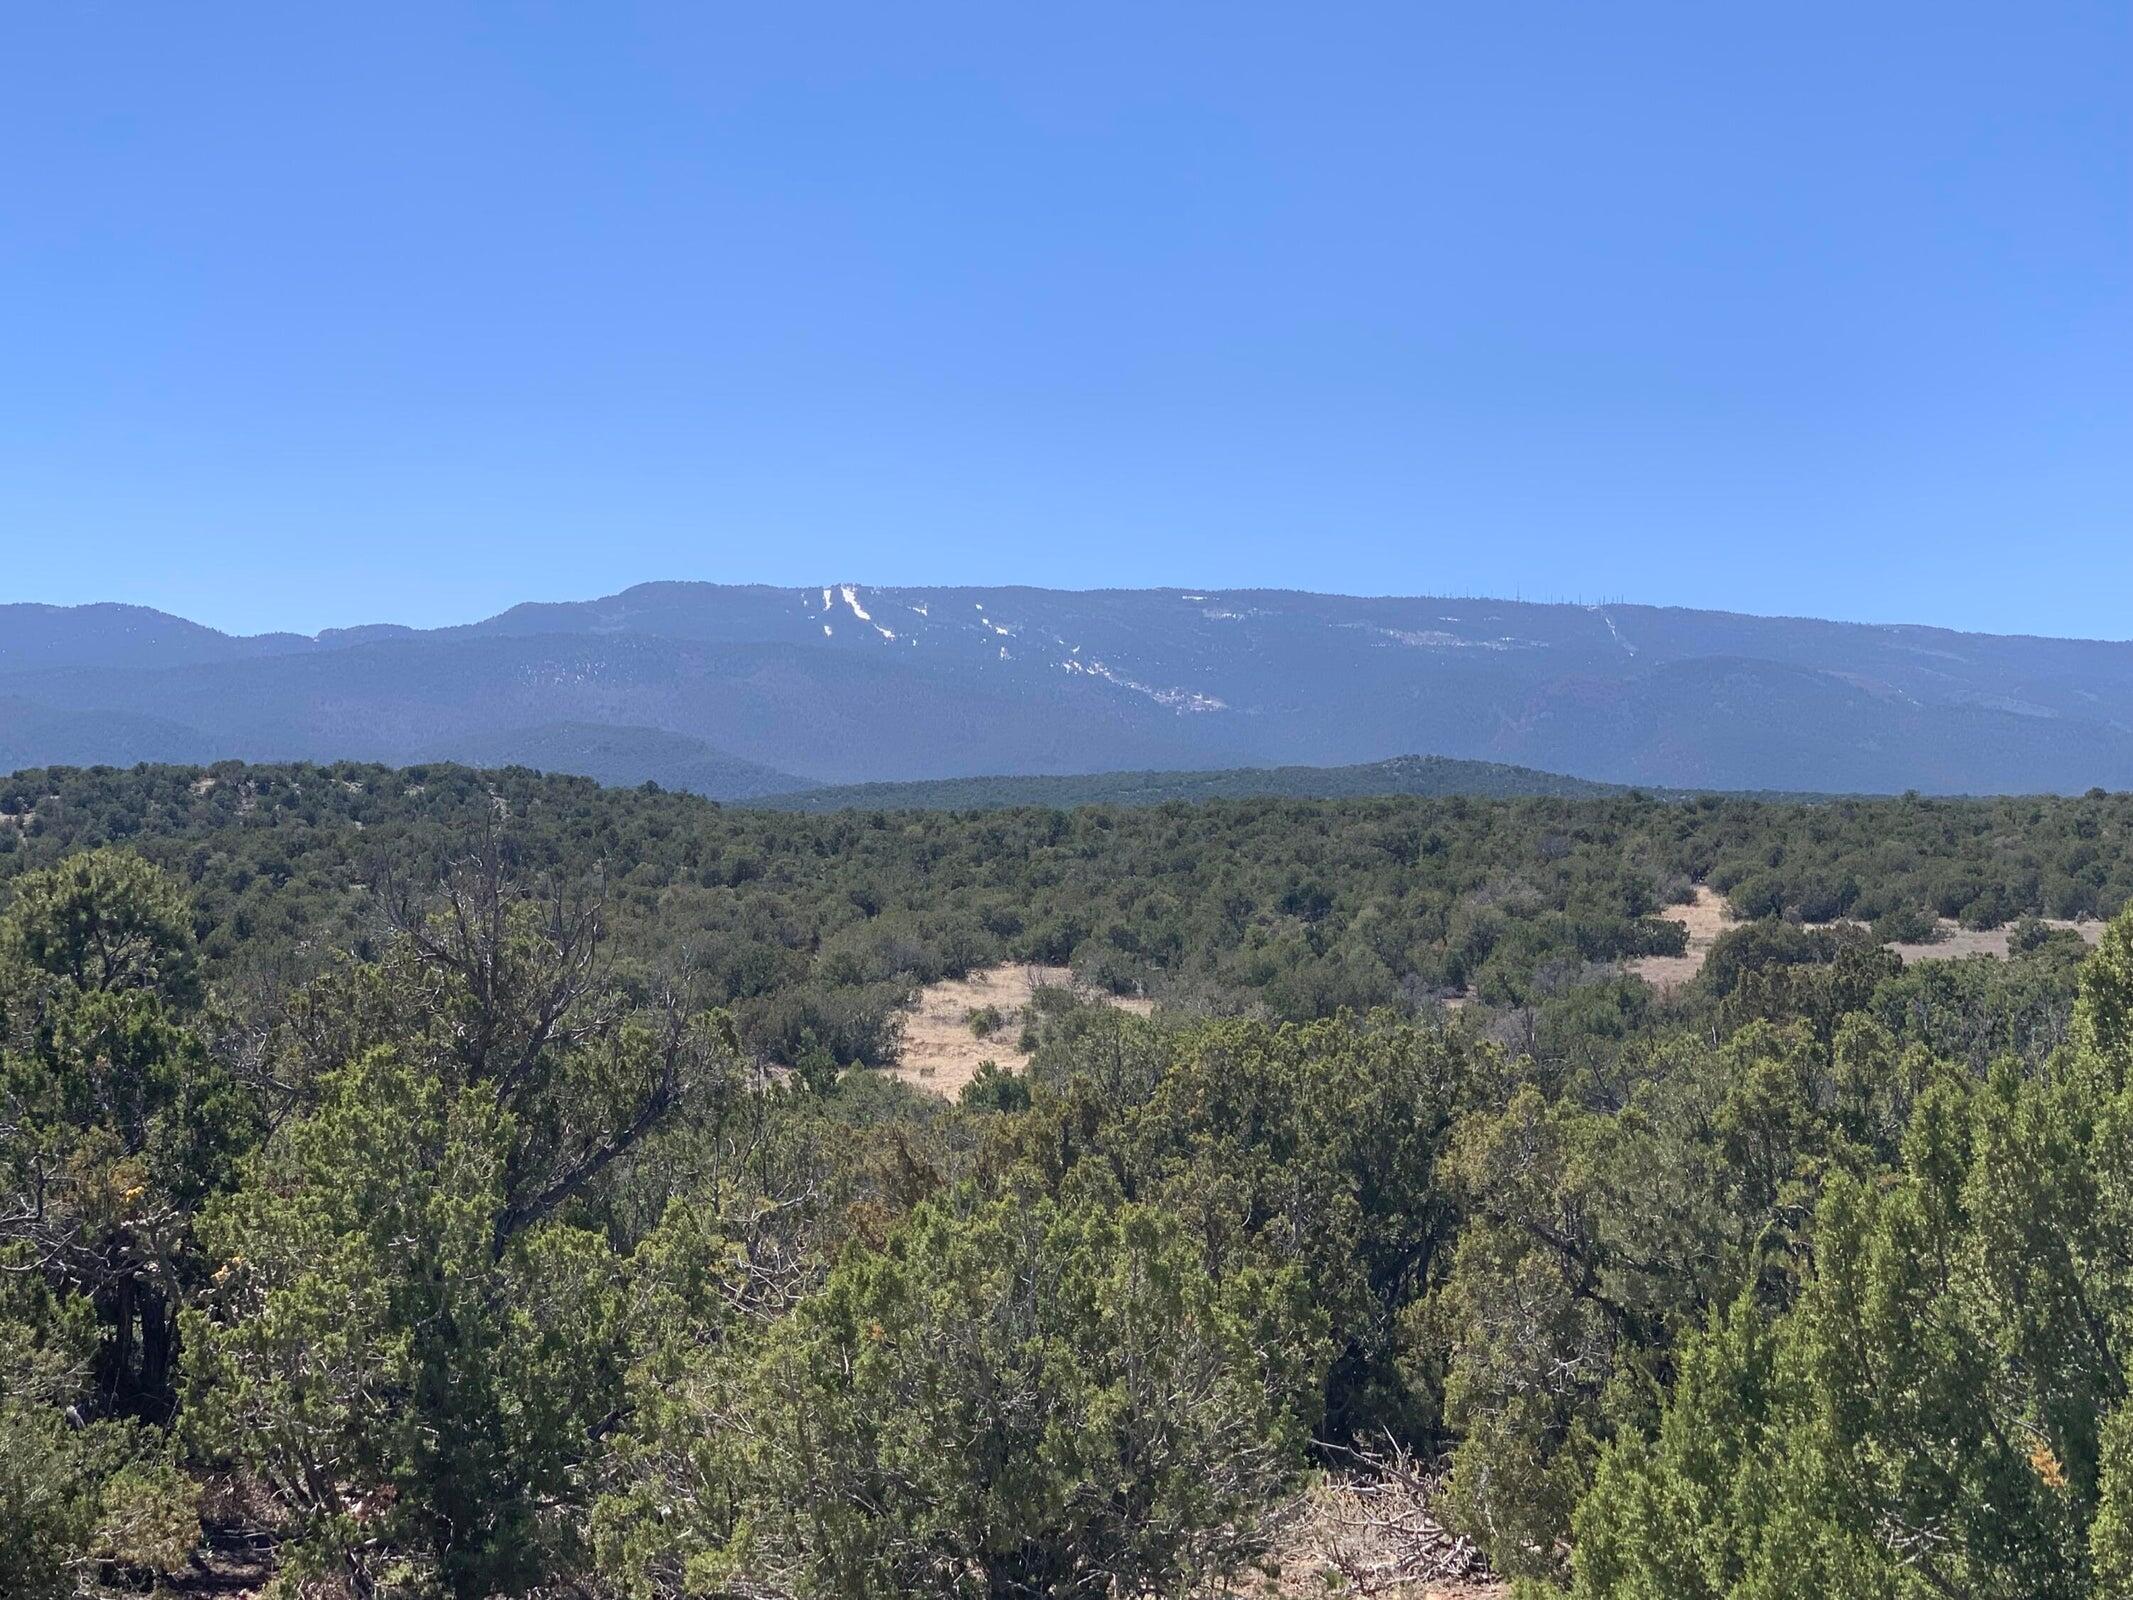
column 35, row 636
column 38, row 736
column 843, row 684
column 623, row 757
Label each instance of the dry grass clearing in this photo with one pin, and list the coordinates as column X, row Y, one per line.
column 1706, row 917
column 940, row 1051
column 1958, row 941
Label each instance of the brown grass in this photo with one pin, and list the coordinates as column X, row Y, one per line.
column 1960, row 941
column 1706, row 917
column 940, row 1052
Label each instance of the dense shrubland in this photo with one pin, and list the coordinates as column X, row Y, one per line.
column 479, row 1185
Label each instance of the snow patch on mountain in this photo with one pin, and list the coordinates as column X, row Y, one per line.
column 1614, row 632
column 1179, row 700
column 1437, row 639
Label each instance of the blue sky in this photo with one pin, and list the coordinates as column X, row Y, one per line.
column 312, row 315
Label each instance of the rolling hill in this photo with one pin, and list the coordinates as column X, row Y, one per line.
column 1404, row 775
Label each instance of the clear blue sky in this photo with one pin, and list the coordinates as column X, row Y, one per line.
column 316, row 314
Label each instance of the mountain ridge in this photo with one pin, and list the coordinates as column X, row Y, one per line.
column 288, row 639
column 844, row 683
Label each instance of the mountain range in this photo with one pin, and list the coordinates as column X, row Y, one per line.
column 742, row 692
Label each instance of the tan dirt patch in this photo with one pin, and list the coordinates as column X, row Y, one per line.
column 1961, row 941
column 940, row 1053
column 1705, row 917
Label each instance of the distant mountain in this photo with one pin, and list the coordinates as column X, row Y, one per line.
column 37, row 736
column 34, row 636
column 849, row 684
column 622, row 757
column 1403, row 775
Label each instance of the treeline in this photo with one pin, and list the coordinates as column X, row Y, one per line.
column 1403, row 775
column 404, row 1170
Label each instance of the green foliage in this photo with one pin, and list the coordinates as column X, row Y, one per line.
column 1027, row 1399
column 1311, row 1147
column 1597, row 1235
column 113, row 1128
column 539, row 1225
column 992, row 1088
column 412, row 1343
column 419, row 1396
column 115, row 1124
column 79, row 1500
column 103, row 920
column 1941, row 1409
column 811, row 929
column 1907, row 925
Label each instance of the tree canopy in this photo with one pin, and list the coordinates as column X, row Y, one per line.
column 466, row 1185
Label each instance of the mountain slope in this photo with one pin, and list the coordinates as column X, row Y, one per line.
column 622, row 757
column 32, row 735
column 35, row 636
column 846, row 683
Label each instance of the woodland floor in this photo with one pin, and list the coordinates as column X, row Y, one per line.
column 1706, row 917
column 940, row 1052
column 1957, row 941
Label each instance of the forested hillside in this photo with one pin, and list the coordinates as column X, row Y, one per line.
column 434, row 1182
column 1403, row 775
